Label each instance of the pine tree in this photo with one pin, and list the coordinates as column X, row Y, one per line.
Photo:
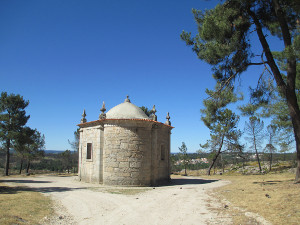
column 75, row 146
column 255, row 131
column 21, row 143
column 223, row 41
column 184, row 156
column 12, row 119
column 146, row 110
column 222, row 123
column 35, row 149
column 270, row 147
column 67, row 160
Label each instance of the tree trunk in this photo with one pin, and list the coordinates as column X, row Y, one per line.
column 271, row 158
column 21, row 166
column 28, row 166
column 7, row 157
column 256, row 152
column 257, row 157
column 297, row 179
column 212, row 164
column 287, row 88
column 216, row 157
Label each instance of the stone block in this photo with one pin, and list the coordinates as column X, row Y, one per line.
column 124, row 145
column 108, row 169
column 113, row 164
column 135, row 164
column 124, row 165
column 123, row 158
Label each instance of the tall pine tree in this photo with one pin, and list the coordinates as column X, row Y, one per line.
column 12, row 119
column 223, row 41
column 221, row 122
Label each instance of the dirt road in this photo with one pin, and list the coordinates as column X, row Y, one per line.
column 184, row 201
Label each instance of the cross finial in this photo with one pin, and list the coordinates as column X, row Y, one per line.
column 168, row 119
column 153, row 110
column 127, row 99
column 153, row 116
column 83, row 119
column 103, row 114
column 103, row 109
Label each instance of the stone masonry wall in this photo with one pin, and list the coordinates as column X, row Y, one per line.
column 127, row 155
column 163, row 139
column 90, row 169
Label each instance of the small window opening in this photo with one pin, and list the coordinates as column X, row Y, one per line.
column 89, row 151
column 162, row 152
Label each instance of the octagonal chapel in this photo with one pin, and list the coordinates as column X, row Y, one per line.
column 125, row 147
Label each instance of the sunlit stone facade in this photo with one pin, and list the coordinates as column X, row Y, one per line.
column 125, row 147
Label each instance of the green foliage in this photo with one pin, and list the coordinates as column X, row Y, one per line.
column 284, row 147
column 67, row 159
column 270, row 148
column 36, row 149
column 255, row 131
column 273, row 138
column 23, row 139
column 75, row 144
column 215, row 104
column 12, row 119
column 198, row 166
column 73, row 162
column 269, row 101
column 221, row 121
column 177, row 167
column 12, row 115
column 223, row 34
column 146, row 110
column 184, row 156
column 223, row 41
column 22, row 142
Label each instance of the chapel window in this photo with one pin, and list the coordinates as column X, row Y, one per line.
column 89, row 151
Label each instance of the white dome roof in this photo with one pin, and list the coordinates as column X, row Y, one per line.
column 126, row 110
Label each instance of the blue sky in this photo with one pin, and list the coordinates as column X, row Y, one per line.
column 66, row 56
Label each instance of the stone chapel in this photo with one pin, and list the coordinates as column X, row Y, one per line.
column 125, row 147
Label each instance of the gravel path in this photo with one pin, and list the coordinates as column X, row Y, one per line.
column 184, row 201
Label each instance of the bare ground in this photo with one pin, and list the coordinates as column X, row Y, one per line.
column 183, row 201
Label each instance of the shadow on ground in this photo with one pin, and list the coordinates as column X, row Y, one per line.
column 270, row 182
column 17, row 189
column 24, row 181
column 186, row 181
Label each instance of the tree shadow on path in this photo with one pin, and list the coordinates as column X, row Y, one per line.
column 24, row 181
column 17, row 189
column 14, row 189
column 186, row 181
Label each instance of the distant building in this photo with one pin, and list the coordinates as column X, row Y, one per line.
column 124, row 147
column 192, row 161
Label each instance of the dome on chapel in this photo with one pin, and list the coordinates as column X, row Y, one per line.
column 126, row 110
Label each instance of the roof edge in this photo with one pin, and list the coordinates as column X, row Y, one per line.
column 99, row 121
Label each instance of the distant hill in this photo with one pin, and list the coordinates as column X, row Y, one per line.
column 53, row 151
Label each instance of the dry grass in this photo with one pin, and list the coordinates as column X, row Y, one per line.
column 273, row 196
column 20, row 205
